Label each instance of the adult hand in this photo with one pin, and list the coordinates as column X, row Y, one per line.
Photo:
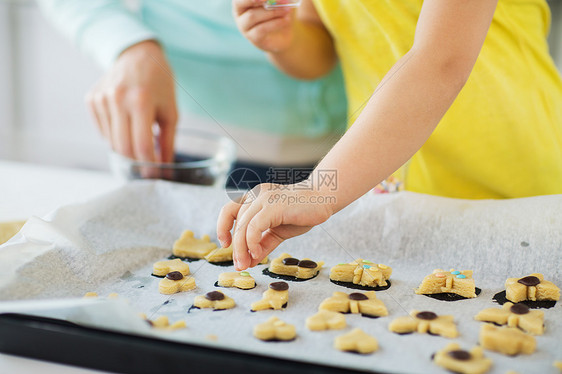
column 268, row 215
column 136, row 93
column 269, row 30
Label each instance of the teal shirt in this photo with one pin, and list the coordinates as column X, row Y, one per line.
column 215, row 66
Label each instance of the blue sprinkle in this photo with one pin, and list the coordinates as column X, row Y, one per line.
column 461, row 276
column 366, row 266
column 456, row 272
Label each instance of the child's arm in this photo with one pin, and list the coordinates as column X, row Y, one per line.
column 397, row 120
column 296, row 41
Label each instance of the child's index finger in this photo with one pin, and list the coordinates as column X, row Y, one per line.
column 225, row 222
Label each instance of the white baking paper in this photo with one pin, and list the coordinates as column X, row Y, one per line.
column 110, row 243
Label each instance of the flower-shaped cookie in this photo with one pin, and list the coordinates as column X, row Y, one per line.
column 356, row 341
column 175, row 282
column 161, row 268
column 454, row 281
column 361, row 272
column 290, row 266
column 326, row 320
column 275, row 297
column 532, row 287
column 238, row 279
column 189, row 246
column 460, row 361
column 506, row 340
column 275, row 329
column 357, row 302
column 424, row 322
column 515, row 315
column 214, row 299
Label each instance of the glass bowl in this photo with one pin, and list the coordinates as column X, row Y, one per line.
column 201, row 158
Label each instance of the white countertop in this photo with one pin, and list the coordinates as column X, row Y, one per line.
column 34, row 190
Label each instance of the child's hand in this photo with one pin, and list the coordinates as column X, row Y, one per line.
column 269, row 30
column 268, row 215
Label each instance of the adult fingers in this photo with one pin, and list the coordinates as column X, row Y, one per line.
column 261, row 32
column 120, row 124
column 255, row 17
column 241, row 6
column 90, row 105
column 141, row 134
column 167, row 121
column 100, row 107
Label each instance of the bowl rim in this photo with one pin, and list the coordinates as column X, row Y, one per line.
column 231, row 148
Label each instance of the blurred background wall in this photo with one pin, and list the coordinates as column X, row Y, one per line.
column 43, row 80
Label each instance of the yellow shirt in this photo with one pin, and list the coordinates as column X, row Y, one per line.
column 502, row 137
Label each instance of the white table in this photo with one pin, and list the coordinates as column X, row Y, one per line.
column 34, row 190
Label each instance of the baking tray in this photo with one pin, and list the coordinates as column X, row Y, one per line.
column 68, row 343
column 120, row 235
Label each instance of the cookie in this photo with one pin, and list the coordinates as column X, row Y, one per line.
column 357, row 302
column 9, row 229
column 326, row 320
column 425, row 322
column 238, row 279
column 215, row 300
column 175, row 282
column 515, row 315
column 453, row 358
column 112, row 295
column 187, row 246
column 223, row 256
column 532, row 287
column 275, row 329
column 220, row 255
column 454, row 281
column 161, row 268
column 356, row 341
column 275, row 297
column 163, row 323
column 290, row 268
column 507, row 340
column 361, row 273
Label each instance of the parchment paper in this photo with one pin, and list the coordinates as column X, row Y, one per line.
column 109, row 245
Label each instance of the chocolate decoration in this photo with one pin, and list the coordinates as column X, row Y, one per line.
column 449, row 296
column 214, row 296
column 308, row 264
column 279, row 286
column 428, row 316
column 174, row 275
column 185, row 259
column 360, row 287
column 460, row 355
column 289, row 278
column 358, row 296
column 290, row 261
column 546, row 304
column 531, row 280
column 519, row 308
